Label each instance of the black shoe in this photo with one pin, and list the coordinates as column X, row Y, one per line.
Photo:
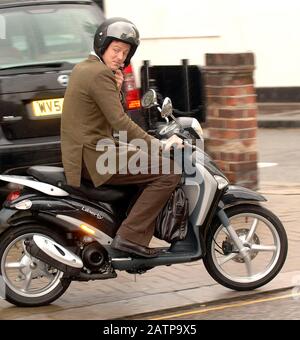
column 133, row 248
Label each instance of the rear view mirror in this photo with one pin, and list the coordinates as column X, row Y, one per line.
column 167, row 108
column 149, row 99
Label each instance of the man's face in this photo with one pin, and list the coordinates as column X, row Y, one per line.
column 116, row 54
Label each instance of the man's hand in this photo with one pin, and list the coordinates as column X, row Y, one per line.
column 119, row 79
column 173, row 141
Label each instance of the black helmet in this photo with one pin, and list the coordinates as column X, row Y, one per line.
column 116, row 29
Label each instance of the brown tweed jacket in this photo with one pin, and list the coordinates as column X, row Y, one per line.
column 91, row 112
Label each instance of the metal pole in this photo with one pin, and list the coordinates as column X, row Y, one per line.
column 146, row 76
column 186, row 88
column 145, row 88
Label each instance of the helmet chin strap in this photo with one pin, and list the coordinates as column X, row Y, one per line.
column 102, row 60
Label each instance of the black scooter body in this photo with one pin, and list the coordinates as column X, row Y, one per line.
column 108, row 217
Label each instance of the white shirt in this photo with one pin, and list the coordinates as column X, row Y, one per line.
column 94, row 54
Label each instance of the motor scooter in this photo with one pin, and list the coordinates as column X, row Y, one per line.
column 52, row 234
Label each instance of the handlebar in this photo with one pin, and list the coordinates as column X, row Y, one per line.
column 186, row 144
column 182, row 113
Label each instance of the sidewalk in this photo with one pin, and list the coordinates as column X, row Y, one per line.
column 169, row 287
column 278, row 115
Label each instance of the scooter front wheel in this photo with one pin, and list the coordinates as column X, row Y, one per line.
column 24, row 280
column 263, row 253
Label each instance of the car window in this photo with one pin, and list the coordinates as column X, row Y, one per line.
column 48, row 33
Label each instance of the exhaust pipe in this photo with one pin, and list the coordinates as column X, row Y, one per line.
column 54, row 254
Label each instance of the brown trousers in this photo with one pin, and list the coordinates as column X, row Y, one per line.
column 139, row 225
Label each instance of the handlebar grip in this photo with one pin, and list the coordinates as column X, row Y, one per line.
column 151, row 132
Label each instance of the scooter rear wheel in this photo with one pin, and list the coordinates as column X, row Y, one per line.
column 264, row 243
column 26, row 281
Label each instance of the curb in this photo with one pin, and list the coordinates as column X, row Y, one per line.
column 278, row 123
column 277, row 188
column 204, row 296
column 166, row 314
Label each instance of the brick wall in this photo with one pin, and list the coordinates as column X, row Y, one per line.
column 232, row 116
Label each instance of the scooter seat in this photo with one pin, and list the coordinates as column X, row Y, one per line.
column 56, row 176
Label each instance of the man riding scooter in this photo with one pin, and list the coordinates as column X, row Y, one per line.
column 92, row 111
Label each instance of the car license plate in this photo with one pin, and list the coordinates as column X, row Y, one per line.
column 49, row 107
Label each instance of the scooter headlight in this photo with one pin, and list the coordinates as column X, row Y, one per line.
column 222, row 182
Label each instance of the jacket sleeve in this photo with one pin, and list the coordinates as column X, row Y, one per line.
column 103, row 90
